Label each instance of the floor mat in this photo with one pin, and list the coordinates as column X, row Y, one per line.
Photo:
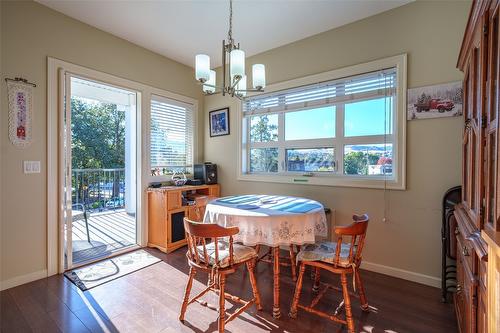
column 110, row 269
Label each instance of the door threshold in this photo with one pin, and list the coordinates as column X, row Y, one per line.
column 124, row 250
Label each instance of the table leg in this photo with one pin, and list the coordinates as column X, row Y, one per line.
column 276, row 290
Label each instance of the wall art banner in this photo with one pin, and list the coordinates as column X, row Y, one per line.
column 20, row 113
column 441, row 100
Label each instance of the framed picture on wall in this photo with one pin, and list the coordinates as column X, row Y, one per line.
column 219, row 122
column 436, row 101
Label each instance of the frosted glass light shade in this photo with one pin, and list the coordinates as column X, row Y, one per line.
column 211, row 80
column 242, row 85
column 259, row 76
column 202, row 67
column 237, row 58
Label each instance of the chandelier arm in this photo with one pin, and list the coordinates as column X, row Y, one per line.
column 237, row 79
column 209, row 85
column 250, row 90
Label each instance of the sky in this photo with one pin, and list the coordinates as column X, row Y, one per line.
column 361, row 118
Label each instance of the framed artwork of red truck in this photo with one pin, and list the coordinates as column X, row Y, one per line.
column 436, row 101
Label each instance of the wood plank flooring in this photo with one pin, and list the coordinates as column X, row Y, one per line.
column 109, row 232
column 149, row 300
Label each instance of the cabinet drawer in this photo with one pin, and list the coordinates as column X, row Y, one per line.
column 174, row 200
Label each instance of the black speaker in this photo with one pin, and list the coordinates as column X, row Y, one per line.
column 207, row 172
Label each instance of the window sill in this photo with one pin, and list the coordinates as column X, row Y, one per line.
column 358, row 182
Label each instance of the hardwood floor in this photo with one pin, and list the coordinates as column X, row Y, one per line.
column 149, row 301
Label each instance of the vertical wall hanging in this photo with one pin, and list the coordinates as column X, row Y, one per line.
column 20, row 93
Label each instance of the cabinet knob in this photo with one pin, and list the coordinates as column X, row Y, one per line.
column 465, row 251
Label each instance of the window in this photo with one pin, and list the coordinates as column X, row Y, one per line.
column 172, row 130
column 347, row 128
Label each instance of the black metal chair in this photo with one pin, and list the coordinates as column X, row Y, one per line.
column 448, row 256
column 81, row 214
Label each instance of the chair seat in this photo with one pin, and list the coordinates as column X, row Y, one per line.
column 241, row 253
column 326, row 252
column 77, row 215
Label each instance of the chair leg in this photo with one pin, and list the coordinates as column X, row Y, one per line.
column 292, row 263
column 253, row 282
column 298, row 288
column 257, row 249
column 347, row 303
column 317, row 277
column 222, row 300
column 192, row 273
column 361, row 291
column 87, row 227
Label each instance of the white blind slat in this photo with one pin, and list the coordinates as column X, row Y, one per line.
column 368, row 85
column 172, row 129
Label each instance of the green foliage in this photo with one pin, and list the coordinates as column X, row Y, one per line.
column 98, row 135
column 356, row 162
column 264, row 160
column 262, row 131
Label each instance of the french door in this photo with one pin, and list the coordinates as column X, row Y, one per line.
column 98, row 169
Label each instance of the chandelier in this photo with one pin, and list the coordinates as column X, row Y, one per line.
column 234, row 82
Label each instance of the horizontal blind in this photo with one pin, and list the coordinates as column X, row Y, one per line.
column 172, row 130
column 369, row 85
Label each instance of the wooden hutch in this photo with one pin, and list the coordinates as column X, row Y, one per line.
column 167, row 207
column 477, row 295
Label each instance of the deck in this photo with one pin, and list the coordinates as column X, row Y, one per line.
column 109, row 232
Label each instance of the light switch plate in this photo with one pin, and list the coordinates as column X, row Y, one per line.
column 31, row 166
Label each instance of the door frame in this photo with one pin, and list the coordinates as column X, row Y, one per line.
column 55, row 91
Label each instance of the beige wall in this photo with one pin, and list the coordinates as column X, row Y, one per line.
column 29, row 33
column 431, row 33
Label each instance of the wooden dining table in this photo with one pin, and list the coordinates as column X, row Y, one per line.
column 270, row 220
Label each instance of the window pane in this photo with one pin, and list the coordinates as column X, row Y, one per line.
column 264, row 128
column 372, row 117
column 310, row 124
column 264, row 160
column 368, row 159
column 171, row 137
column 310, row 160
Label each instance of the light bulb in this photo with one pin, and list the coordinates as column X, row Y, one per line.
column 211, row 81
column 202, row 67
column 237, row 58
column 259, row 76
column 242, row 85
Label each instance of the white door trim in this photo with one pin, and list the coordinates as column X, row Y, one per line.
column 55, row 248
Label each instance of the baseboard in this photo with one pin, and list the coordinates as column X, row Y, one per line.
column 402, row 274
column 22, row 279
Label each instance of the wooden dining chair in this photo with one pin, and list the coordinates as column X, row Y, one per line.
column 339, row 258
column 211, row 250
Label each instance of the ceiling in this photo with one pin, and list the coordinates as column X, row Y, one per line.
column 180, row 29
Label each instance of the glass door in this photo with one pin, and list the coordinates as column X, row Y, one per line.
column 100, row 170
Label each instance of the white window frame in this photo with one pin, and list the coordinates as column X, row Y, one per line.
column 398, row 138
column 188, row 103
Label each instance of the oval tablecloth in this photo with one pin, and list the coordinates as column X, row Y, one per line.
column 269, row 219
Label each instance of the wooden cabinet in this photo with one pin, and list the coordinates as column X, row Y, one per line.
column 167, row 207
column 479, row 210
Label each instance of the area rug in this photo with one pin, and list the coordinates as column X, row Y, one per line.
column 110, row 269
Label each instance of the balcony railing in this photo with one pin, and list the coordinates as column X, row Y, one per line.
column 98, row 189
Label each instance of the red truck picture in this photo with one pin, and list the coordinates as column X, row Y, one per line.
column 441, row 105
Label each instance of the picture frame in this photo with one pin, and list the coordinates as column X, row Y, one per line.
column 435, row 101
column 219, row 122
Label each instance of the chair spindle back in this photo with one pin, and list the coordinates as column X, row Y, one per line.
column 357, row 232
column 197, row 235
